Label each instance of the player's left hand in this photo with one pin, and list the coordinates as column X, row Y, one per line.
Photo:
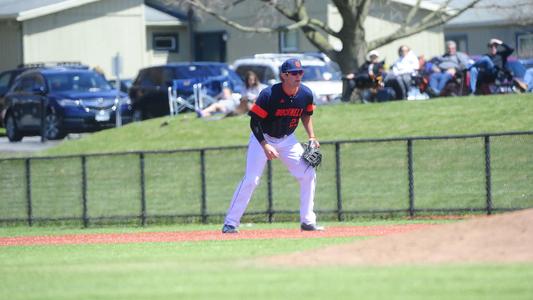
column 314, row 142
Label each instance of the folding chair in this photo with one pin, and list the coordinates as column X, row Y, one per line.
column 179, row 104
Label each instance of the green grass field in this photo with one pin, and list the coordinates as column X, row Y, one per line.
column 447, row 173
column 222, row 269
column 225, row 270
column 443, row 116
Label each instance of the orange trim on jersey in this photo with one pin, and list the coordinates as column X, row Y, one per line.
column 259, row 111
column 310, row 108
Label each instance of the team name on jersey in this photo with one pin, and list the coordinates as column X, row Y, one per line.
column 288, row 112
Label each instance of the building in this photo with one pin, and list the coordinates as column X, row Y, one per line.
column 149, row 32
column 91, row 32
column 511, row 21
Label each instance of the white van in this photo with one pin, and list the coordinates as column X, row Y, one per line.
column 319, row 74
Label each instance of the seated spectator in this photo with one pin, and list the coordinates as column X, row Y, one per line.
column 487, row 67
column 369, row 74
column 226, row 104
column 252, row 89
column 403, row 68
column 528, row 80
column 445, row 68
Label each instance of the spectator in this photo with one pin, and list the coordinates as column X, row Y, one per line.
column 370, row 73
column 446, row 67
column 487, row 67
column 528, row 80
column 252, row 89
column 403, row 68
column 226, row 104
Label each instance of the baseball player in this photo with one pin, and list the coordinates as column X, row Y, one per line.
column 274, row 118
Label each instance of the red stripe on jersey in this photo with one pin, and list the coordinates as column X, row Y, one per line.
column 310, row 108
column 259, row 111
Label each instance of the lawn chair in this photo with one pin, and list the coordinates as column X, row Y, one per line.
column 177, row 103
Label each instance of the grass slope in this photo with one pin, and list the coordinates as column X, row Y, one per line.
column 445, row 116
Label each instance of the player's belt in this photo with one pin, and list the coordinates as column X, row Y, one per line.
column 270, row 137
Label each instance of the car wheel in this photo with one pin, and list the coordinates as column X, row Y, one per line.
column 52, row 127
column 12, row 132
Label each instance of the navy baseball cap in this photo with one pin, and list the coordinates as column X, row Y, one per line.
column 291, row 64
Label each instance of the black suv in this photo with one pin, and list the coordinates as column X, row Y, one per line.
column 149, row 91
column 55, row 101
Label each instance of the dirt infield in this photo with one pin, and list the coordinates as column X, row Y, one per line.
column 496, row 239
column 185, row 236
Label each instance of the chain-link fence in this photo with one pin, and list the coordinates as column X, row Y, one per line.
column 410, row 176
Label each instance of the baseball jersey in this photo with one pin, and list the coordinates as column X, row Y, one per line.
column 281, row 113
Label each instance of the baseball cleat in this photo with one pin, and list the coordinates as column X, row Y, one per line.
column 229, row 229
column 311, row 227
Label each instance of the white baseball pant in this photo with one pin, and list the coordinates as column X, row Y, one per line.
column 290, row 153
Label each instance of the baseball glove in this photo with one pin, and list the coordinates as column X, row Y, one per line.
column 312, row 155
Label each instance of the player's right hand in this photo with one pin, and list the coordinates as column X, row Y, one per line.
column 270, row 152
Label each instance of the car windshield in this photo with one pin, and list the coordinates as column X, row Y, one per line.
column 77, row 81
column 320, row 73
column 198, row 71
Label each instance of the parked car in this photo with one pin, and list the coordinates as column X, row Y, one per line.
column 7, row 78
column 149, row 91
column 59, row 100
column 319, row 75
column 125, row 84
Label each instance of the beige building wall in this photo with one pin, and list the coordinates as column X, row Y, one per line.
column 92, row 34
column 11, row 45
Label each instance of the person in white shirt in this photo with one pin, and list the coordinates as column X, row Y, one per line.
column 402, row 70
column 249, row 94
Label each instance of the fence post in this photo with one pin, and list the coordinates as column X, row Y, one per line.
column 143, row 190
column 340, row 215
column 270, row 210
column 488, row 179
column 85, row 216
column 411, row 177
column 28, row 192
column 204, row 194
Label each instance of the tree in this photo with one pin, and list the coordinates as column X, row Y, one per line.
column 351, row 34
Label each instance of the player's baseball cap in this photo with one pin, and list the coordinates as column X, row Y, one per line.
column 291, row 64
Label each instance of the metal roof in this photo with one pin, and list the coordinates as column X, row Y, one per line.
column 29, row 9
column 492, row 12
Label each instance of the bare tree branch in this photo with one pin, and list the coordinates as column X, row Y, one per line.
column 436, row 18
column 299, row 22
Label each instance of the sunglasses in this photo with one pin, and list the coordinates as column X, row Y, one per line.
column 294, row 73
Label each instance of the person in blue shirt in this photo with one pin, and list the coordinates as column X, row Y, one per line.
column 487, row 67
column 273, row 119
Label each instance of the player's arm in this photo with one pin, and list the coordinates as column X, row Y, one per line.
column 257, row 130
column 307, row 122
column 257, row 114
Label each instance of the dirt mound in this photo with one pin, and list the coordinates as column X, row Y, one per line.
column 498, row 238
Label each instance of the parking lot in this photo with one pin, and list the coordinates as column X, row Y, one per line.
column 27, row 145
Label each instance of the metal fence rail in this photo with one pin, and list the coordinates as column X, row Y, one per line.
column 415, row 175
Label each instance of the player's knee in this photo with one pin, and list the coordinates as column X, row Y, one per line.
column 251, row 182
column 308, row 176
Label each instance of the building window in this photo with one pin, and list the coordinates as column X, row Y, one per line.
column 524, row 43
column 461, row 41
column 165, row 42
column 288, row 41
